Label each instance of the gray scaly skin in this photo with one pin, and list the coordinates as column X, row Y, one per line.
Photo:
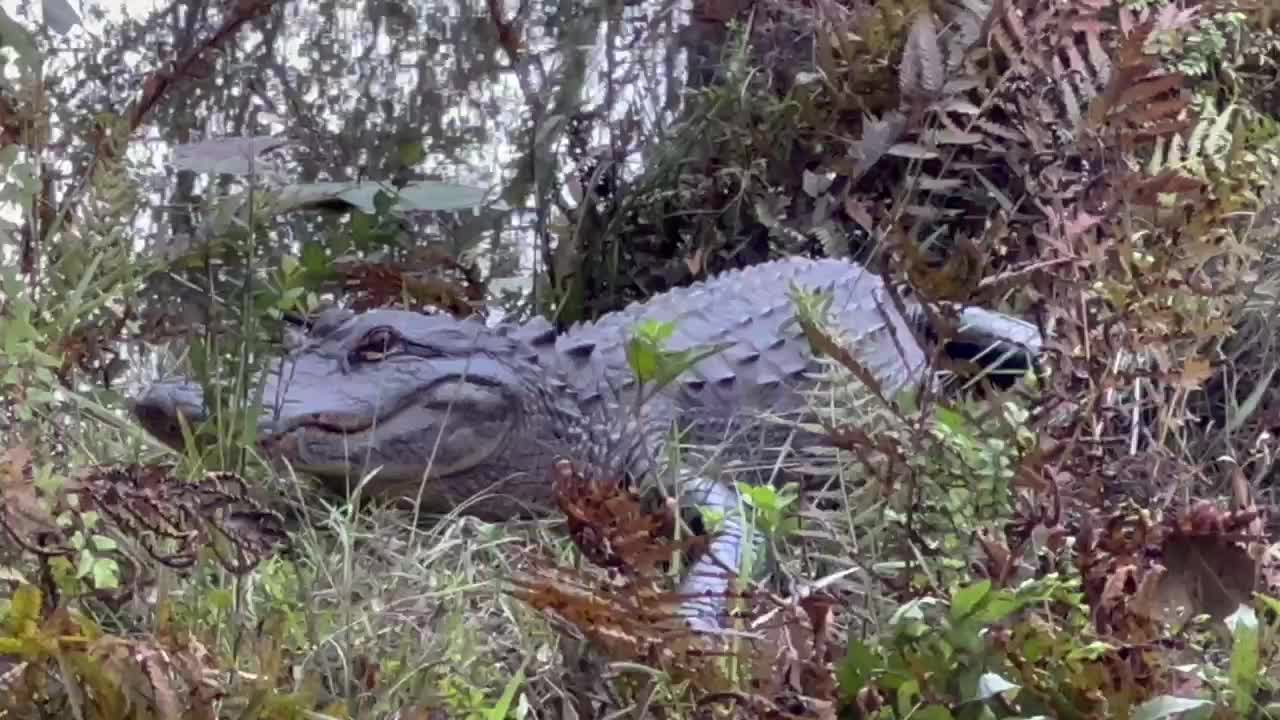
column 450, row 409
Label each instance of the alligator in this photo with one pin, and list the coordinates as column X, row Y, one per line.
column 458, row 414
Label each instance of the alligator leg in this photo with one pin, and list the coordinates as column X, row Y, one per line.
column 707, row 584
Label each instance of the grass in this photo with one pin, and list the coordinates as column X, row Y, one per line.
column 421, row 609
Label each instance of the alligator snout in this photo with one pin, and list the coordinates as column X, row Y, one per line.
column 276, row 444
column 159, row 408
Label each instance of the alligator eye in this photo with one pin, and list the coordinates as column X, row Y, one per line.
column 376, row 346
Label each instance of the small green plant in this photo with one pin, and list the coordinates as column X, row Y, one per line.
column 768, row 507
column 652, row 363
column 472, row 703
column 971, row 656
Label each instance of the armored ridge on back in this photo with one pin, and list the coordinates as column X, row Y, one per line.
column 448, row 408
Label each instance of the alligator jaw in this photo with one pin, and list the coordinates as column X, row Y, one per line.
column 451, row 427
column 159, row 408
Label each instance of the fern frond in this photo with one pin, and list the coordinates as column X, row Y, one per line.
column 922, row 72
column 1217, row 141
column 878, row 135
column 835, row 243
column 1207, row 145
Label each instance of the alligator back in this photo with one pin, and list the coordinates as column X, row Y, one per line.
column 768, row 359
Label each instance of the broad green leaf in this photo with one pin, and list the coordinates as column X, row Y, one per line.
column 859, row 666
column 991, row 684
column 643, row 359
column 912, row 151
column 220, row 599
column 951, row 420
column 1092, row 651
column 1000, row 606
column 1167, row 706
column 655, row 331
column 59, row 16
column 84, row 563
column 499, row 710
column 14, row 35
column 966, row 600
column 417, row 196
column 106, row 574
column 1243, row 624
column 908, row 696
column 910, row 611
column 411, row 154
column 230, row 156
column 24, row 610
column 933, row 712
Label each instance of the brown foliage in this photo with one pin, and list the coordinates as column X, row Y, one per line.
column 1049, row 108
column 787, row 650
column 170, row 520
column 168, row 676
column 1142, row 575
column 429, row 279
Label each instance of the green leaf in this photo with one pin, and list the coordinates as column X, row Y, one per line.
column 712, row 518
column 411, row 154
column 59, row 16
column 1273, row 604
column 908, row 696
column 416, row 196
column 226, row 155
column 315, row 260
column 655, row 332
column 643, row 359
column 24, row 610
column 221, row 599
column 857, row 669
column 999, row 606
column 911, row 611
column 18, row 331
column 950, row 419
column 1092, row 651
column 500, row 709
column 106, row 574
column 990, row 685
column 14, row 35
column 761, row 497
column 1243, row 624
column 84, row 563
column 1167, row 706
column 654, row 365
column 933, row 712
column 966, row 600
column 383, row 201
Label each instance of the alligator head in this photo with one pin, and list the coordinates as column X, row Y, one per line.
column 443, row 408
